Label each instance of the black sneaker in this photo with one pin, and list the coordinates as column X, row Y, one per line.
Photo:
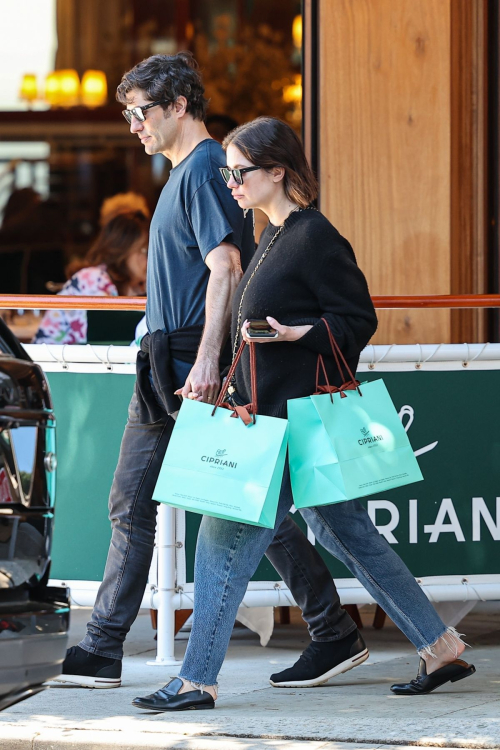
column 322, row 661
column 89, row 670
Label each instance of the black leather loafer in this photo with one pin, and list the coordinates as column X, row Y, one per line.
column 168, row 698
column 425, row 683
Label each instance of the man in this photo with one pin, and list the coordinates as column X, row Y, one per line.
column 199, row 239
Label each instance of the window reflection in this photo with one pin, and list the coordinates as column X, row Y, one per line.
column 8, row 479
column 249, row 53
column 24, row 443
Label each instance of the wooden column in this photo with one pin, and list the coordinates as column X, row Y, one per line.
column 391, row 149
column 310, row 82
column 468, row 179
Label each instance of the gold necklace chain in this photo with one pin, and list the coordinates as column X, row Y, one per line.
column 264, row 255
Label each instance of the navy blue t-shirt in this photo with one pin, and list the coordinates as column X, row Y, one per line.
column 195, row 213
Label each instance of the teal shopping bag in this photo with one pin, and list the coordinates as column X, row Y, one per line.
column 223, row 466
column 347, row 442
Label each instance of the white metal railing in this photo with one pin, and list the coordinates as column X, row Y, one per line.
column 121, row 359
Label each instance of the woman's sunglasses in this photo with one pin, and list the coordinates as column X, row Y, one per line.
column 138, row 112
column 236, row 174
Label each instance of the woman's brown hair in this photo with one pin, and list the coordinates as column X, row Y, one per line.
column 113, row 245
column 268, row 142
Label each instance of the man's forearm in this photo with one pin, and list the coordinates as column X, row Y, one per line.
column 220, row 291
column 203, row 381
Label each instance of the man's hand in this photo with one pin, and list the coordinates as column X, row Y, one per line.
column 203, row 382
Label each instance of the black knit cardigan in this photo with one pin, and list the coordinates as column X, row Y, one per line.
column 309, row 274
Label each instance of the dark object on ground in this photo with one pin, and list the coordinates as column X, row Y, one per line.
column 90, row 670
column 424, row 684
column 321, row 661
column 168, row 698
column 34, row 617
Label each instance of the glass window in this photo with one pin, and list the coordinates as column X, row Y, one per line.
column 29, row 43
column 24, row 443
column 250, row 53
column 8, row 480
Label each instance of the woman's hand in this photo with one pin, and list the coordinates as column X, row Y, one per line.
column 285, row 333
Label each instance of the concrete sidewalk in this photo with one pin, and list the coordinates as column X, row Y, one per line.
column 356, row 711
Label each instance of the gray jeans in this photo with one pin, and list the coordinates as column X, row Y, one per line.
column 133, row 520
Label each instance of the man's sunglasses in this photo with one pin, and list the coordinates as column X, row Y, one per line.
column 236, row 174
column 138, row 112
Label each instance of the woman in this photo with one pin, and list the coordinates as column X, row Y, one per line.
column 302, row 271
column 115, row 265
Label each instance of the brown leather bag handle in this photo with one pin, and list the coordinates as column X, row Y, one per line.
column 347, row 383
column 322, row 388
column 241, row 411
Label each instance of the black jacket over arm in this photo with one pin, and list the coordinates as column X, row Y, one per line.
column 309, row 274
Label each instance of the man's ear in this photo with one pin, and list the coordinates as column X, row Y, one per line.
column 180, row 106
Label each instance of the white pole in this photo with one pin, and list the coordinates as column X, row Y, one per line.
column 164, row 599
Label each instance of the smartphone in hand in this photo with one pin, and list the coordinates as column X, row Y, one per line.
column 260, row 329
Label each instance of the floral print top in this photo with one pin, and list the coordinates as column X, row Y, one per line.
column 70, row 326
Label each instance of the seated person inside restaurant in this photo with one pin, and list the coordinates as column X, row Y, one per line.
column 115, row 265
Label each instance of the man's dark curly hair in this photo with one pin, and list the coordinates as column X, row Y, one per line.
column 167, row 77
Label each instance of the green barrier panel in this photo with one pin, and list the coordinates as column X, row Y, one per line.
column 447, row 525
column 91, row 411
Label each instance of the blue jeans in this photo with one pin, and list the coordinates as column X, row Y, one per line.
column 133, row 519
column 228, row 553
